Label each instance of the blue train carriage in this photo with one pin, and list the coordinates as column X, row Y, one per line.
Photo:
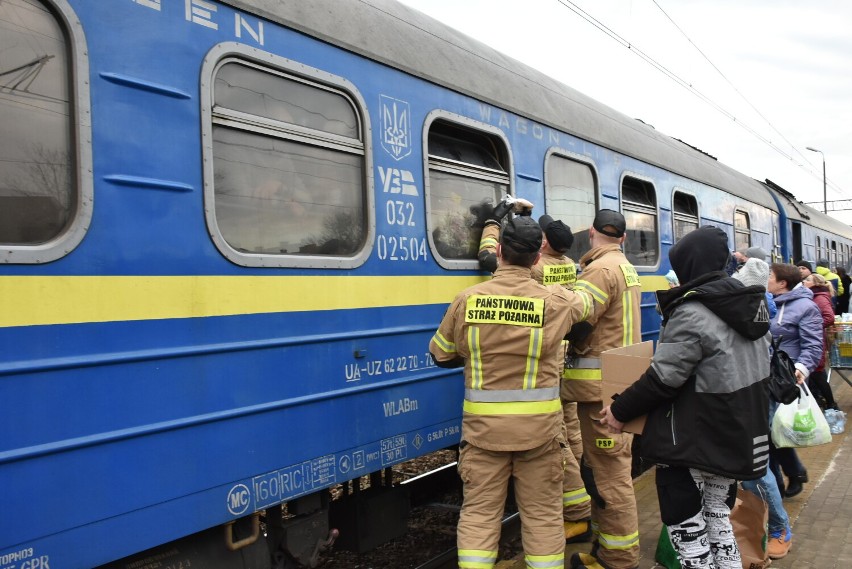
column 231, row 231
column 217, row 289
column 808, row 234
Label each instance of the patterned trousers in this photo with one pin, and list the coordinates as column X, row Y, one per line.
column 696, row 508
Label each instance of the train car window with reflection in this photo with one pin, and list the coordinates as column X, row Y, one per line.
column 742, row 230
column 45, row 205
column 289, row 168
column 684, row 214
column 570, row 196
column 639, row 206
column 468, row 173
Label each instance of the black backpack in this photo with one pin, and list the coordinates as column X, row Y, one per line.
column 782, row 383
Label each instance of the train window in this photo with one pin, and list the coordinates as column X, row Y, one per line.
column 684, row 214
column 45, row 198
column 818, row 249
column 639, row 206
column 833, row 253
column 289, row 169
column 742, row 230
column 569, row 195
column 466, row 169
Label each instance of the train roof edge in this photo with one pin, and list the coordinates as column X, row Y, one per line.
column 472, row 68
column 798, row 211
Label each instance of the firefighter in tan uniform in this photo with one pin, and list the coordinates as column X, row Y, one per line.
column 554, row 267
column 613, row 283
column 506, row 332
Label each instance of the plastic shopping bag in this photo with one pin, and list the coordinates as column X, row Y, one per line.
column 800, row 423
column 836, row 420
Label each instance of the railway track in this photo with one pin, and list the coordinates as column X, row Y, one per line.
column 433, row 491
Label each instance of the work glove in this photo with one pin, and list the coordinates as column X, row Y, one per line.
column 579, row 332
column 481, row 213
column 509, row 203
column 502, row 209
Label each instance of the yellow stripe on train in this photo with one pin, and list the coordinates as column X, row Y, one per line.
column 30, row 301
column 39, row 300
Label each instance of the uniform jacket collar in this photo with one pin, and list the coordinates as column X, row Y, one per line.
column 598, row 252
column 505, row 270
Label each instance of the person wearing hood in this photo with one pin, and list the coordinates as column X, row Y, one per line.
column 756, row 272
column 705, row 399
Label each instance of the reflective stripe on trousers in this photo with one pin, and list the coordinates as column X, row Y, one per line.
column 544, row 561
column 575, row 497
column 477, row 558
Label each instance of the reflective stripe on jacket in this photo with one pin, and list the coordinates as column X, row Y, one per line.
column 612, row 282
column 509, row 331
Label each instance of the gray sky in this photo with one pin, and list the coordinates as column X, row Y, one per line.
column 781, row 68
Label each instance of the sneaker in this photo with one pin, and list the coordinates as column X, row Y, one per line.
column 576, row 532
column 779, row 544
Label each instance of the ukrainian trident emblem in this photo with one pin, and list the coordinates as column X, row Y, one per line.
column 396, row 131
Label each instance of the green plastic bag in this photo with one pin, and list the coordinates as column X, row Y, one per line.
column 665, row 554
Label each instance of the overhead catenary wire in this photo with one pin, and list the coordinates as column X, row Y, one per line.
column 734, row 87
column 689, row 87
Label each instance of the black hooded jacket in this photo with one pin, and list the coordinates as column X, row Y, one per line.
column 704, row 392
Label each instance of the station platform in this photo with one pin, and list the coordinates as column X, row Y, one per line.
column 821, row 515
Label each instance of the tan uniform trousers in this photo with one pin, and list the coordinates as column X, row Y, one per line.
column 576, row 503
column 537, row 475
column 615, row 522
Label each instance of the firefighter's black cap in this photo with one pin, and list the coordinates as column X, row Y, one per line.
column 522, row 234
column 610, row 218
column 558, row 234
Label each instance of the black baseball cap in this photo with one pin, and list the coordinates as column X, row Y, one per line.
column 558, row 234
column 610, row 217
column 522, row 234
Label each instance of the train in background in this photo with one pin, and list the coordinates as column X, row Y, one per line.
column 228, row 231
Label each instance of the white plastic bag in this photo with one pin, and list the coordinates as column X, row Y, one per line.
column 800, row 423
column 836, row 421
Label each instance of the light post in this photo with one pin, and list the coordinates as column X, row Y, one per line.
column 824, row 199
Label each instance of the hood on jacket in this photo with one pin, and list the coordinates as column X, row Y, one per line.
column 699, row 259
column 797, row 292
column 741, row 307
column 704, row 250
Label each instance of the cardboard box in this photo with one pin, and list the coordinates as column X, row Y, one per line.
column 620, row 367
